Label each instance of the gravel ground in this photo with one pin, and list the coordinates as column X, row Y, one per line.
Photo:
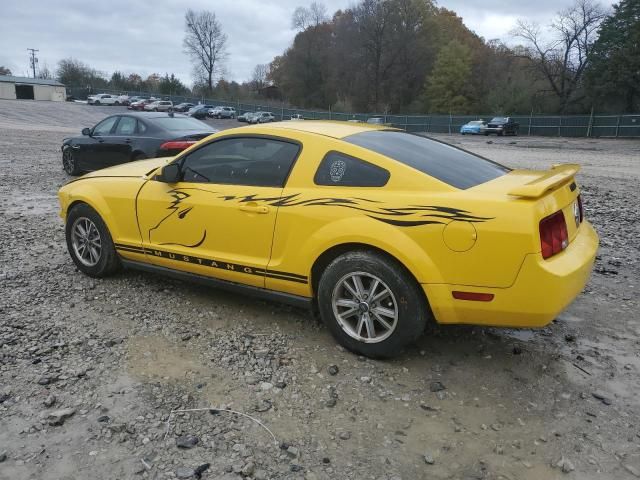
column 91, row 371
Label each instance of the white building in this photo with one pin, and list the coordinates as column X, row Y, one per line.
column 24, row 88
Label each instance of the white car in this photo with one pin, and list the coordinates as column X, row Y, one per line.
column 222, row 112
column 103, row 99
column 159, row 106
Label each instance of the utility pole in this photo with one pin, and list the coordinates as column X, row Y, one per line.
column 34, row 60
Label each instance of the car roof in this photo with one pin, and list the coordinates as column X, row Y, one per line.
column 327, row 128
column 148, row 115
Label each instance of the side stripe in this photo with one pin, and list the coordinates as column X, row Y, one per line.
column 209, row 262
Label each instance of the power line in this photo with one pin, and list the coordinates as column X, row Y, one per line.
column 33, row 60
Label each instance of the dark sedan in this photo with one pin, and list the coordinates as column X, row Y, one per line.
column 131, row 136
column 200, row 111
column 183, row 107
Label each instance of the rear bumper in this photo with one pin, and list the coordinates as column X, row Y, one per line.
column 542, row 289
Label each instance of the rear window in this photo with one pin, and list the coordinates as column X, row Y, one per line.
column 451, row 165
column 181, row 123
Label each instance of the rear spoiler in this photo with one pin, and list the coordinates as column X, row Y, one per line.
column 555, row 177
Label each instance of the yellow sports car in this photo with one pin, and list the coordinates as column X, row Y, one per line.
column 382, row 231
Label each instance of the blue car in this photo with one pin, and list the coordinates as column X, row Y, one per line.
column 474, row 128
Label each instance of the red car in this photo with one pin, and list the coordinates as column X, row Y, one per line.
column 139, row 105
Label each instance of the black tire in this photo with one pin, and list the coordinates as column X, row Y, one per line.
column 138, row 156
column 108, row 261
column 155, row 109
column 97, row 102
column 70, row 163
column 117, row 104
column 407, row 301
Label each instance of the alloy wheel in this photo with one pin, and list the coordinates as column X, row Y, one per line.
column 86, row 241
column 365, row 307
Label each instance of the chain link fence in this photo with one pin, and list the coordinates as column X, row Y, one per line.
column 617, row 126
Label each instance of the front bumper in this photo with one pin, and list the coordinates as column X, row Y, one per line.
column 542, row 289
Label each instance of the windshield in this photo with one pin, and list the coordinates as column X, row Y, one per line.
column 182, row 123
column 499, row 120
column 476, row 122
column 451, row 165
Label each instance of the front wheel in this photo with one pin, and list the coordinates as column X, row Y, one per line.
column 89, row 242
column 97, row 102
column 371, row 304
column 70, row 163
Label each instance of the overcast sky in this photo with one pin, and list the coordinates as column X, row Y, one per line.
column 146, row 37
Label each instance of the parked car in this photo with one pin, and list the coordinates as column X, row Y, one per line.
column 375, row 120
column 199, row 111
column 130, row 136
column 139, row 105
column 501, row 126
column 262, row 117
column 159, row 106
column 183, row 107
column 124, row 99
column 381, row 230
column 103, row 99
column 297, row 116
column 223, row 112
column 474, row 127
column 244, row 117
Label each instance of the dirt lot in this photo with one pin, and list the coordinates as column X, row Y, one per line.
column 91, row 370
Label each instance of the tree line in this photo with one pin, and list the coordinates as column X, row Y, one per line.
column 411, row 56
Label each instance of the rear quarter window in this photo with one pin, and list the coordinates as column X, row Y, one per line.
column 338, row 169
column 451, row 165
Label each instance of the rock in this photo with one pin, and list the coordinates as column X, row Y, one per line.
column 4, row 397
column 333, row 369
column 428, row 459
column 570, row 337
column 632, row 470
column 326, row 460
column 260, row 475
column 281, row 384
column 602, row 397
column 49, row 401
column 565, row 465
column 345, row 435
column 44, row 381
column 60, row 416
column 331, row 402
column 185, row 472
column 436, row 387
column 3, row 456
column 187, row 441
column 295, row 468
column 292, row 451
column 264, row 386
column 103, row 418
column 365, row 379
column 200, row 469
column 517, row 350
column 248, row 469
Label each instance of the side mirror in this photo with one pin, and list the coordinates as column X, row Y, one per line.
column 170, row 174
column 86, row 131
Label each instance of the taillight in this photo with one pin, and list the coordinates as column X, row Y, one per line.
column 580, row 208
column 177, row 144
column 553, row 234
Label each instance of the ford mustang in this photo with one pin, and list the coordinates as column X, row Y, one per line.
column 382, row 231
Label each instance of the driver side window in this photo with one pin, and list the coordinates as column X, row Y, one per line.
column 241, row 161
column 105, row 126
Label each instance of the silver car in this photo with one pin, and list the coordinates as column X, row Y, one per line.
column 159, row 106
column 262, row 117
column 223, row 112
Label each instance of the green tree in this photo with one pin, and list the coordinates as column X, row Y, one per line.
column 448, row 88
column 614, row 73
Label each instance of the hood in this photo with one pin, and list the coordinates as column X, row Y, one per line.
column 132, row 169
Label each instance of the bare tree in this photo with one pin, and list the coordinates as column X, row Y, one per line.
column 205, row 43
column 563, row 58
column 312, row 16
column 260, row 75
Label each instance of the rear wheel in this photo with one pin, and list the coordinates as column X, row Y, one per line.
column 69, row 162
column 138, row 156
column 371, row 304
column 117, row 104
column 97, row 102
column 89, row 242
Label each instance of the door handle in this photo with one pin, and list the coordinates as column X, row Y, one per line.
column 128, row 140
column 254, row 208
